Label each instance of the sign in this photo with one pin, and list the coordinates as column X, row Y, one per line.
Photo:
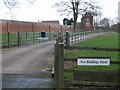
column 93, row 61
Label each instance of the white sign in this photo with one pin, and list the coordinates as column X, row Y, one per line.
column 93, row 61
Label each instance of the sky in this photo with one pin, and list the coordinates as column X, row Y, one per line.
column 119, row 11
column 43, row 10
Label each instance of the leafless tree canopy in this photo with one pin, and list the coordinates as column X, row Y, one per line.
column 31, row 1
column 76, row 7
column 11, row 4
column 14, row 3
column 105, row 22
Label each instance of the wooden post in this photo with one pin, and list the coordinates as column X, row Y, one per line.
column 67, row 39
column 39, row 36
column 59, row 66
column 33, row 37
column 8, row 40
column 19, row 41
column 26, row 38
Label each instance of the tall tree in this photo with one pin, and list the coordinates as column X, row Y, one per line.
column 75, row 7
column 11, row 4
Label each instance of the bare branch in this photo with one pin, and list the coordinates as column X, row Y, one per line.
column 75, row 7
column 32, row 1
column 11, row 3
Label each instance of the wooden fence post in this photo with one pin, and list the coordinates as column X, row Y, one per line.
column 8, row 39
column 26, row 37
column 39, row 36
column 67, row 41
column 19, row 40
column 33, row 37
column 59, row 66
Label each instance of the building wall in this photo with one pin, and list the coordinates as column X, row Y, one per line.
column 87, row 21
column 20, row 26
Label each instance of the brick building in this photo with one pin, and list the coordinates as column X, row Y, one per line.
column 87, row 21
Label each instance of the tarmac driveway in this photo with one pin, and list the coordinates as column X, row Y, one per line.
column 28, row 59
column 28, row 66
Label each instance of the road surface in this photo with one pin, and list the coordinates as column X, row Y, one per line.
column 28, row 66
column 28, row 59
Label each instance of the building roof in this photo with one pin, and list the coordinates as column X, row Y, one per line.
column 52, row 22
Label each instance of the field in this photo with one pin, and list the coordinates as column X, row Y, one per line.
column 107, row 41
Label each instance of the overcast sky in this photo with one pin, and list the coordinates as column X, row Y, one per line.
column 43, row 10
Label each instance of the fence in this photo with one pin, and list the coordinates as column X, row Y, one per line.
column 74, row 37
column 17, row 33
column 98, row 78
column 25, row 38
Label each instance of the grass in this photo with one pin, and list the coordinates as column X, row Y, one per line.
column 89, row 53
column 106, row 41
column 14, row 38
column 111, row 67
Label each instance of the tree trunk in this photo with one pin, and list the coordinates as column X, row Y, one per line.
column 75, row 13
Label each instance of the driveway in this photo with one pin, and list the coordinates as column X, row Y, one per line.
column 28, row 66
column 28, row 59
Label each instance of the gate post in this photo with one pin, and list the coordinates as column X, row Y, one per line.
column 59, row 66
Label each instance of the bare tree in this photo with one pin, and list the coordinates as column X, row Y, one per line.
column 105, row 22
column 75, row 7
column 11, row 4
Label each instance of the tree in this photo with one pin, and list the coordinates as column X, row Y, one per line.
column 115, row 27
column 11, row 4
column 67, row 21
column 14, row 3
column 75, row 7
column 105, row 22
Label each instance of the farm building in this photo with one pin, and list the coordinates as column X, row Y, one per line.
column 86, row 22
